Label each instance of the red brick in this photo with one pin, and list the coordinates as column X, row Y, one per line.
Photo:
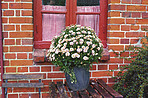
column 26, row 0
column 27, row 41
column 113, row 27
column 124, row 41
column 125, row 27
column 20, row 5
column 56, row 68
column 110, row 80
column 21, row 62
column 46, row 69
column 134, row 41
column 113, row 41
column 136, row 14
column 144, row 15
column 21, row 48
column 133, row 27
column 22, row 69
column 45, row 95
column 124, row 54
column 12, row 95
column 23, row 95
column 136, row 8
column 26, row 27
column 4, row 5
column 126, row 1
column 8, row 13
column 21, row 34
column 112, row 54
column 9, row 42
column 117, row 7
column 113, row 14
column 4, row 20
column 5, row 48
column 30, row 56
column 56, row 75
column 113, row 67
column 114, row 1
column 116, row 47
column 102, row 73
column 136, row 1
column 130, row 21
column 17, row 12
column 9, row 0
column 20, row 20
column 21, row 55
column 18, row 41
column 34, row 69
column 39, row 59
column 144, row 2
column 115, row 34
column 135, row 34
column 10, row 69
column 5, row 34
column 126, row 14
column 142, row 21
column 116, row 21
column 93, row 67
column 10, row 56
column 26, row 13
column 9, row 27
column 23, row 90
column 17, row 27
column 115, row 60
column 102, row 67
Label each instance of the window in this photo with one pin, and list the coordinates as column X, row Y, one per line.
column 51, row 16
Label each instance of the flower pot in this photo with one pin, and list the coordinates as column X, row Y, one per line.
column 82, row 76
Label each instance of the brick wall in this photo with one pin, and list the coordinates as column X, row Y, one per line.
column 126, row 22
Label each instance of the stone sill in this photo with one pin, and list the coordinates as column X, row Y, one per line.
column 40, row 56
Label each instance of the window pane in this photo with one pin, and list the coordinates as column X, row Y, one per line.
column 54, row 2
column 52, row 24
column 89, row 20
column 88, row 2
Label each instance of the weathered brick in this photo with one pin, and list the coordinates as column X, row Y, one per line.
column 4, row 20
column 136, row 14
column 56, row 75
column 144, row 28
column 17, row 12
column 23, row 90
column 144, row 1
column 141, row 21
column 113, row 41
column 21, row 48
column 17, row 27
column 134, row 41
column 144, row 15
column 114, row 14
column 12, row 95
column 116, row 47
column 5, row 34
column 102, row 67
column 21, row 62
column 18, row 41
column 130, row 21
column 135, row 34
column 136, row 2
column 133, row 27
column 5, row 48
column 27, row 41
column 113, row 67
column 4, row 5
column 34, row 69
column 126, row 14
column 115, row 60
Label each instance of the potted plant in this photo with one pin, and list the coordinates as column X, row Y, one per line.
column 74, row 50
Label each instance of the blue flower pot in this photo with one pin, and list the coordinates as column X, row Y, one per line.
column 82, row 76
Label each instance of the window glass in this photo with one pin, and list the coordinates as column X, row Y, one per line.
column 88, row 2
column 54, row 2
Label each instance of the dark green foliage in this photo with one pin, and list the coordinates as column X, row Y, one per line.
column 133, row 83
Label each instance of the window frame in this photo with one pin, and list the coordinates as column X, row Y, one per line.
column 71, row 6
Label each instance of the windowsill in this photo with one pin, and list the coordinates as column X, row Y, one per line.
column 40, row 56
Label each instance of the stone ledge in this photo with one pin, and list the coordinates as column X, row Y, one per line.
column 40, row 55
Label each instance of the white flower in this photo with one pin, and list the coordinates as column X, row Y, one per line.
column 93, row 46
column 81, row 40
column 89, row 32
column 98, row 48
column 57, row 51
column 85, row 50
column 78, row 25
column 78, row 33
column 63, row 48
column 73, row 33
column 77, row 29
column 65, row 35
column 84, row 32
column 67, row 50
column 93, row 52
column 71, row 49
column 81, row 43
column 83, row 47
column 65, row 44
column 85, row 58
column 71, row 43
column 79, row 50
column 67, row 54
column 88, row 43
column 73, row 56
